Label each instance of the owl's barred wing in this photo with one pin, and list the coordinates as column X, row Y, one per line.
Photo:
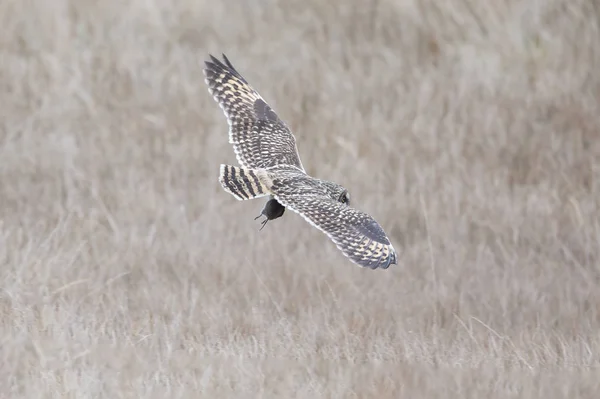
column 355, row 233
column 260, row 139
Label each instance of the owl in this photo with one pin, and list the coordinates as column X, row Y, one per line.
column 270, row 166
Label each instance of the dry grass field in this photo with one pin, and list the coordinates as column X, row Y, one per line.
column 469, row 129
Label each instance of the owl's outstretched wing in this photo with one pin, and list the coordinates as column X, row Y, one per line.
column 260, row 139
column 355, row 233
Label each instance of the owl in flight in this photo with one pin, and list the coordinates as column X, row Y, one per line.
column 270, row 166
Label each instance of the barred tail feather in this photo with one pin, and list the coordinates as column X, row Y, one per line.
column 244, row 183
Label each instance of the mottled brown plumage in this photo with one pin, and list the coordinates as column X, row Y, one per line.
column 270, row 165
column 260, row 139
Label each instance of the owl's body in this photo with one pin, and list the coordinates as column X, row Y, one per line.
column 270, row 166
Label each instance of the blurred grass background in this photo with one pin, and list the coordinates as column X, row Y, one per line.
column 470, row 130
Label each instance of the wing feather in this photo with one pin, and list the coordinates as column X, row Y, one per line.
column 260, row 138
column 355, row 233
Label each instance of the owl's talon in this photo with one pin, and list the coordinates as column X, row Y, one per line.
column 263, row 223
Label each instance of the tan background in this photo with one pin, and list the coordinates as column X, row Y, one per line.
column 469, row 131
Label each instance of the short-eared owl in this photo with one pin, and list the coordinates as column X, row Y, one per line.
column 270, row 166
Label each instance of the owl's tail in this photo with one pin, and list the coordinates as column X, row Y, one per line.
column 244, row 183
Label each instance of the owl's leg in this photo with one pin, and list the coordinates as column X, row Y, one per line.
column 272, row 210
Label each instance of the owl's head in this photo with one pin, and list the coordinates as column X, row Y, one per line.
column 337, row 192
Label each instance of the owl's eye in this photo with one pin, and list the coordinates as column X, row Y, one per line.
column 345, row 198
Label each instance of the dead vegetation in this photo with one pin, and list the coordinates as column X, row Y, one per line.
column 470, row 131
